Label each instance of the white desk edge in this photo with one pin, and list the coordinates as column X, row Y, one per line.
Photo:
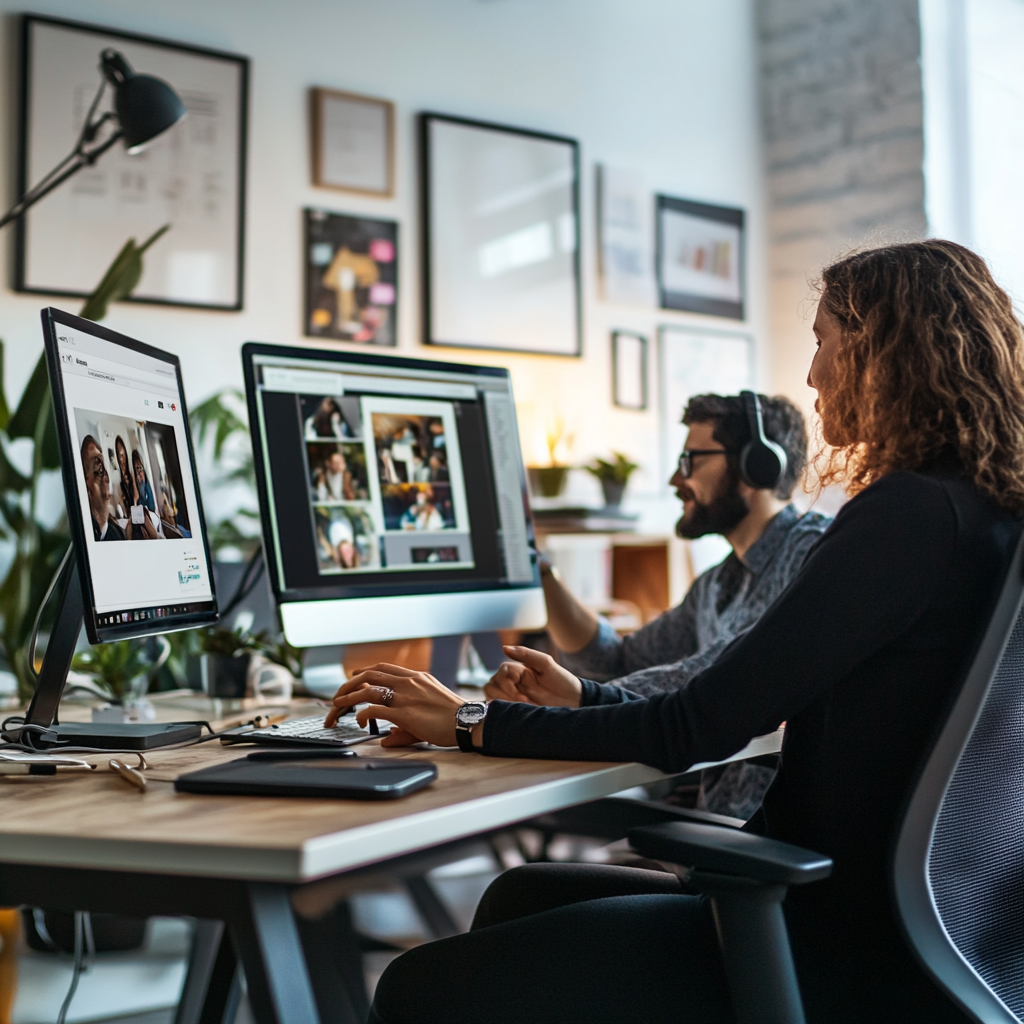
column 344, row 850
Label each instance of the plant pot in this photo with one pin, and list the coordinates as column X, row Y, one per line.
column 225, row 675
column 547, row 481
column 613, row 492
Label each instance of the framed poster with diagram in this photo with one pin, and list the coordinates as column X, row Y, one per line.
column 191, row 177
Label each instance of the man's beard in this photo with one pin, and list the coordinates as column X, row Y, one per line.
column 721, row 515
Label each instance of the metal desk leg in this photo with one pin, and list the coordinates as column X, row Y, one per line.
column 435, row 914
column 267, row 941
column 335, row 964
column 212, row 967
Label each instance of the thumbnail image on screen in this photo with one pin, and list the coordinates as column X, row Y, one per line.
column 133, row 478
column 337, row 472
column 329, row 417
column 345, row 538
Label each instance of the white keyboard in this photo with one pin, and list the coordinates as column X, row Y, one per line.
column 302, row 731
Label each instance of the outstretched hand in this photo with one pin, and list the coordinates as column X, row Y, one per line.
column 534, row 678
column 421, row 708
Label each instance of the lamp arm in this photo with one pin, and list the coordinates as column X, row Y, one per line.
column 77, row 159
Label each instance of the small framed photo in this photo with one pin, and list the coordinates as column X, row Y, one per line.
column 351, row 278
column 629, row 370
column 700, row 257
column 353, row 142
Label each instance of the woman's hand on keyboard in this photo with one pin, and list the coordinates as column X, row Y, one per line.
column 421, row 708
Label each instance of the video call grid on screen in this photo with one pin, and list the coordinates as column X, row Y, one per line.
column 134, row 480
column 408, row 477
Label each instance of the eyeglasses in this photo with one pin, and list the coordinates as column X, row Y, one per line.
column 686, row 459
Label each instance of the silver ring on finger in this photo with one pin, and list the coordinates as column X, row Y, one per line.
column 387, row 695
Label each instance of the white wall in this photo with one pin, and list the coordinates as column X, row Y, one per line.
column 667, row 87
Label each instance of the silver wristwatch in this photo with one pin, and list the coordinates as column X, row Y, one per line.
column 470, row 715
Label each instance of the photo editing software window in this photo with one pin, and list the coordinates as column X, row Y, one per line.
column 135, row 482
column 384, row 475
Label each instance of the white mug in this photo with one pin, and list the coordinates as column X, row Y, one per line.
column 268, row 682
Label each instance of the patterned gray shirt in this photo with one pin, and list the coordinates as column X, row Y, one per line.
column 722, row 603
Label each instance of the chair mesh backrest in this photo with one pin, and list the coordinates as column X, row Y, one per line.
column 976, row 865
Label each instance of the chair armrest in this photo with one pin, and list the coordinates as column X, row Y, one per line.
column 725, row 851
column 612, row 817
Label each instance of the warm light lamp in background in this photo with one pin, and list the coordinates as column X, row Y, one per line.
column 144, row 107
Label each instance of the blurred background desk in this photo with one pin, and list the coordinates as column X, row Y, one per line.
column 629, row 577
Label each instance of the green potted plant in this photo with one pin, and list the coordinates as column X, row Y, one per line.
column 226, row 657
column 38, row 546
column 220, row 421
column 121, row 671
column 549, row 481
column 613, row 477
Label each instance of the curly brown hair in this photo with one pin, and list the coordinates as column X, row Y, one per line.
column 930, row 367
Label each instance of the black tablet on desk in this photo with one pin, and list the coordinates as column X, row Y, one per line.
column 311, row 773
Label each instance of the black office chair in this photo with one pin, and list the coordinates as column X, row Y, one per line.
column 958, row 869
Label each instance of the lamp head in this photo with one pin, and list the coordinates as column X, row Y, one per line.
column 145, row 106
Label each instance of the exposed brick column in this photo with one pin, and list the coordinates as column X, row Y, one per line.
column 843, row 143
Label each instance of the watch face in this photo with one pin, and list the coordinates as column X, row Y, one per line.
column 471, row 714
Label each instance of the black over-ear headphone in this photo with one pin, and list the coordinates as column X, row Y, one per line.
column 762, row 462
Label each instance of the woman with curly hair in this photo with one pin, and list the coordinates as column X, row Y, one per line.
column 920, row 380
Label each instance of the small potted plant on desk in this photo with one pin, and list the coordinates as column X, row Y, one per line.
column 225, row 661
column 613, row 477
column 236, row 664
column 121, row 672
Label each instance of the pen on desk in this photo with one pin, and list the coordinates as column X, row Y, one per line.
column 131, row 775
column 257, row 722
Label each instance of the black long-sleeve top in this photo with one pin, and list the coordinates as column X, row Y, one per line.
column 861, row 656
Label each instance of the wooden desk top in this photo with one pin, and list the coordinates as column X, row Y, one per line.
column 97, row 820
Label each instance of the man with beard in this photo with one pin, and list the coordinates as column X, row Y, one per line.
column 770, row 540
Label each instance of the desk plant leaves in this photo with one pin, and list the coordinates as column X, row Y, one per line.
column 38, row 549
column 215, row 419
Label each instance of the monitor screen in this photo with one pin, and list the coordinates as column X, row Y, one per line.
column 129, row 475
column 387, row 477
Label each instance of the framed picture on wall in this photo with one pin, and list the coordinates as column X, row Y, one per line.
column 191, row 177
column 624, row 230
column 700, row 258
column 501, row 251
column 351, row 278
column 629, row 370
column 697, row 362
column 353, row 142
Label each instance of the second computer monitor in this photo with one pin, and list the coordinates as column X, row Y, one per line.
column 393, row 496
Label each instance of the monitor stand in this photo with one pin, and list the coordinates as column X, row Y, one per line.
column 53, row 675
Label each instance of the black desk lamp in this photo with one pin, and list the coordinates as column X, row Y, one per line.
column 144, row 107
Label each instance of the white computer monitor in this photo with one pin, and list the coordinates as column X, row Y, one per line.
column 129, row 474
column 393, row 496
